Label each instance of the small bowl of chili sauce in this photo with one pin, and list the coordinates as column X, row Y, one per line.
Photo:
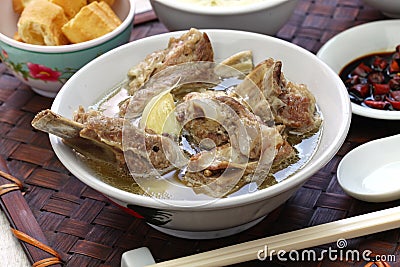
column 367, row 59
column 373, row 80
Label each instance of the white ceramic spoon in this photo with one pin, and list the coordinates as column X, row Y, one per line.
column 371, row 172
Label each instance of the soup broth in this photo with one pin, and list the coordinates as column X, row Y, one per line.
column 304, row 145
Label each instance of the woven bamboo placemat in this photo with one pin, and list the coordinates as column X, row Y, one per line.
column 87, row 230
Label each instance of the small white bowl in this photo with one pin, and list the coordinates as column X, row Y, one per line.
column 390, row 8
column 265, row 17
column 46, row 68
column 358, row 41
column 226, row 216
column 370, row 172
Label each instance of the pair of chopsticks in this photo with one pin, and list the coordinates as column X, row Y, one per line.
column 308, row 237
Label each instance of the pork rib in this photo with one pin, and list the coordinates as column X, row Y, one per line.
column 190, row 47
column 92, row 129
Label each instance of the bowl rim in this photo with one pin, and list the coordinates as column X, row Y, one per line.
column 74, row 47
column 351, row 32
column 223, row 10
column 229, row 202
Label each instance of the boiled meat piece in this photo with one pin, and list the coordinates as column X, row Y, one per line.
column 191, row 46
column 173, row 77
column 292, row 104
column 299, row 113
column 91, row 128
column 221, row 118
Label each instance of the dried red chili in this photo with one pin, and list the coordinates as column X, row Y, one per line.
column 394, row 66
column 395, row 95
column 361, row 90
column 376, row 104
column 395, row 104
column 361, row 70
column 380, row 63
column 381, row 89
column 394, row 83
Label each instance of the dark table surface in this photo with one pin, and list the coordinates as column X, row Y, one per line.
column 87, row 230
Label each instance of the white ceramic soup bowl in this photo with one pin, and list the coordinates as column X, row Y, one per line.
column 265, row 17
column 359, row 41
column 46, row 68
column 224, row 216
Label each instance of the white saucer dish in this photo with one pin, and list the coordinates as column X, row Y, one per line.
column 370, row 172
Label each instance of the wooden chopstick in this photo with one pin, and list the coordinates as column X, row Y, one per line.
column 308, row 237
column 21, row 217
